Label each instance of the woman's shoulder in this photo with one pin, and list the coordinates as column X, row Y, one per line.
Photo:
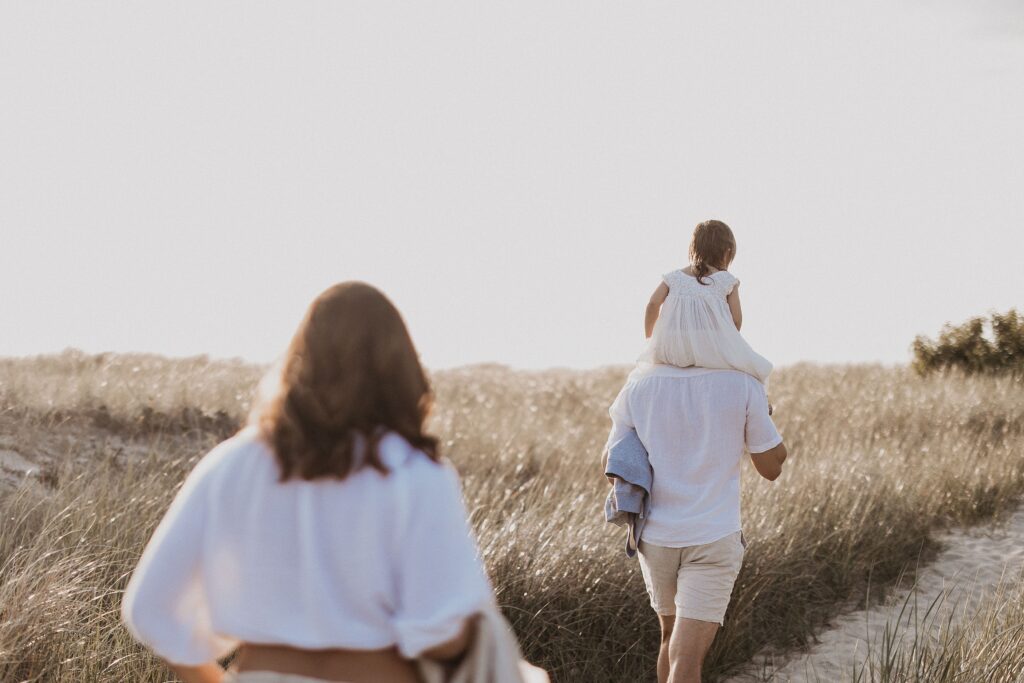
column 222, row 465
column 416, row 473
column 398, row 454
column 246, row 446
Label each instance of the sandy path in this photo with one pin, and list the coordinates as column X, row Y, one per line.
column 965, row 572
column 14, row 461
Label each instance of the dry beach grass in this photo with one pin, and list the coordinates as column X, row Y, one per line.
column 929, row 630
column 881, row 460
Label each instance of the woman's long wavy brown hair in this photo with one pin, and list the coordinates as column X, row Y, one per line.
column 350, row 375
column 712, row 246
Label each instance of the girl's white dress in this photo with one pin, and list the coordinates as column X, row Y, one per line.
column 696, row 328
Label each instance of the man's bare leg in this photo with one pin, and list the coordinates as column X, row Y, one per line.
column 689, row 643
column 668, row 621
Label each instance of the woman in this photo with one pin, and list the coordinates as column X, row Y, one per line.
column 327, row 540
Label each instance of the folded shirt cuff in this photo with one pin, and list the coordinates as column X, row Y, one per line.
column 767, row 445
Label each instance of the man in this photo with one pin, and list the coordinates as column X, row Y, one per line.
column 695, row 424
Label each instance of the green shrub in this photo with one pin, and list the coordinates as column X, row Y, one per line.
column 995, row 345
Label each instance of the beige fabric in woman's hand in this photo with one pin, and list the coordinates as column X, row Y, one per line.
column 267, row 677
column 493, row 657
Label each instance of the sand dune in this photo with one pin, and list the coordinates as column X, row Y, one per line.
column 966, row 572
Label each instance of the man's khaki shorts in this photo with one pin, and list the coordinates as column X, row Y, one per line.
column 693, row 582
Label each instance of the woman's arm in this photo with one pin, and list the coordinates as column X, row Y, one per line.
column 205, row 673
column 164, row 604
column 440, row 580
column 452, row 649
column 734, row 306
column 654, row 309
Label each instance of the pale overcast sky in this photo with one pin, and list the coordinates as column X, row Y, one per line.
column 184, row 177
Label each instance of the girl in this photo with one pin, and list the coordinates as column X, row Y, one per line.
column 694, row 316
column 328, row 539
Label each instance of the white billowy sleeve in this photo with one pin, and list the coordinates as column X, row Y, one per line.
column 164, row 605
column 441, row 580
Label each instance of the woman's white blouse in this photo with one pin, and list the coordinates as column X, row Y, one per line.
column 369, row 562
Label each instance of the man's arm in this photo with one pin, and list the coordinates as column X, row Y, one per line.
column 622, row 423
column 769, row 463
column 619, row 430
column 763, row 440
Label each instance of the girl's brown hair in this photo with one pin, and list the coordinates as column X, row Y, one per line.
column 712, row 246
column 350, row 375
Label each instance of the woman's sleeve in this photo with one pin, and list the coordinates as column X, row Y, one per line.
column 164, row 605
column 441, row 580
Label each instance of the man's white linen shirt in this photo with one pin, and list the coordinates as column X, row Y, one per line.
column 696, row 425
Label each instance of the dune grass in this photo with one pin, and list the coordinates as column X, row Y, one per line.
column 880, row 459
column 988, row 646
